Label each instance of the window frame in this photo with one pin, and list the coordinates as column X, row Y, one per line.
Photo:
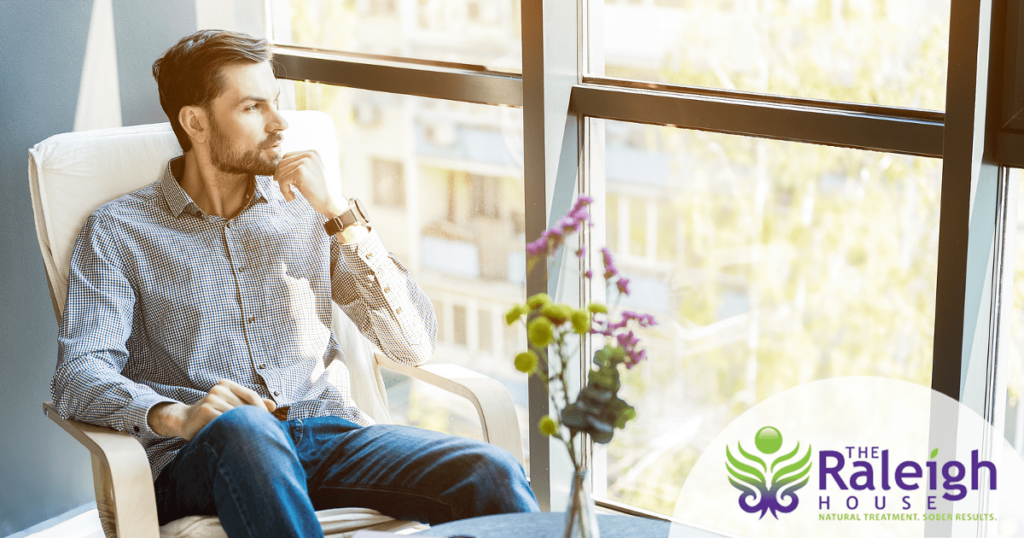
column 564, row 157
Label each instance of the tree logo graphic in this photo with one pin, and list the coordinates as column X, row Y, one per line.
column 751, row 475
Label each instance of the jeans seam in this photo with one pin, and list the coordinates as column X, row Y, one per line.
column 298, row 424
column 232, row 490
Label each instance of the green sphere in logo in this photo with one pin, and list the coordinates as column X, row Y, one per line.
column 768, row 440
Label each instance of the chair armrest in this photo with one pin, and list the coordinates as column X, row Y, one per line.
column 491, row 399
column 121, row 476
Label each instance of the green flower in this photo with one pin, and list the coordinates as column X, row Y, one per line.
column 526, row 362
column 580, row 321
column 548, row 426
column 557, row 313
column 597, row 308
column 540, row 331
column 515, row 313
column 537, row 301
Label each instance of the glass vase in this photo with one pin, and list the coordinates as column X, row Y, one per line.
column 580, row 515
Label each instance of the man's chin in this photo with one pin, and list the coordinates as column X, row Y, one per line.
column 260, row 167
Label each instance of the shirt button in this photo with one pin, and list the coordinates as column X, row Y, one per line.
column 277, row 393
column 136, row 429
column 368, row 256
column 399, row 311
column 241, row 268
column 263, row 367
column 252, row 319
column 387, row 289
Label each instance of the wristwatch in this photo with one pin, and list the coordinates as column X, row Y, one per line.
column 355, row 214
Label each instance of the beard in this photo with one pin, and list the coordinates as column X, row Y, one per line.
column 232, row 160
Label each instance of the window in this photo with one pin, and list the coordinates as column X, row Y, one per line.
column 388, row 183
column 788, row 167
column 483, row 32
column 879, row 52
column 794, row 263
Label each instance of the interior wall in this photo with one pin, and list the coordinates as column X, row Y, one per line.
column 43, row 88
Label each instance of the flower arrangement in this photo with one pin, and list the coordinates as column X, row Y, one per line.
column 597, row 409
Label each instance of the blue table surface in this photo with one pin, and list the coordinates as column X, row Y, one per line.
column 550, row 524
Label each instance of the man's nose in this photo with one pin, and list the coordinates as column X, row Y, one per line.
column 277, row 123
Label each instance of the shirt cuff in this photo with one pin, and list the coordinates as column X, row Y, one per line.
column 369, row 252
column 136, row 415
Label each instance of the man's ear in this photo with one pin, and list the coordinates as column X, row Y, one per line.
column 195, row 122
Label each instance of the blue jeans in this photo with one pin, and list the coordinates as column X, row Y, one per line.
column 264, row 477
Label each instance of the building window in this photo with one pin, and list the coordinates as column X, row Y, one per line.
column 388, row 183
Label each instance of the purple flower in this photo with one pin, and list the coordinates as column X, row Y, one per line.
column 580, row 213
column 588, row 274
column 609, row 264
column 538, row 247
column 623, row 285
column 581, row 252
column 635, row 357
column 627, row 340
column 644, row 320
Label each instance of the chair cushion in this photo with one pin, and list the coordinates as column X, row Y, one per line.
column 336, row 523
column 72, row 174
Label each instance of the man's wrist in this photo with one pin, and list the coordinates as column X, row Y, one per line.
column 165, row 418
column 333, row 211
column 353, row 233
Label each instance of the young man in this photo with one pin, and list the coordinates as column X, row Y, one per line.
column 199, row 320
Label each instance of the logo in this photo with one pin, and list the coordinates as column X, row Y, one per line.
column 768, row 487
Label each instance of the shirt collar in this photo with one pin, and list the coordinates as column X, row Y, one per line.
column 178, row 200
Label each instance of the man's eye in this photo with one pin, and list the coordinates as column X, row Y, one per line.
column 252, row 108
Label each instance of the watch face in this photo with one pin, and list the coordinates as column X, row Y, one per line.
column 360, row 210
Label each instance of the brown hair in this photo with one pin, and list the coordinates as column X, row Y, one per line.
column 188, row 74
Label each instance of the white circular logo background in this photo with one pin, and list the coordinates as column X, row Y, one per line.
column 879, row 422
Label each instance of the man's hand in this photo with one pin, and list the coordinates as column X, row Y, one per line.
column 185, row 421
column 305, row 171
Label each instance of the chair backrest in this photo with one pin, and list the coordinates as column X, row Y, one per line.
column 72, row 174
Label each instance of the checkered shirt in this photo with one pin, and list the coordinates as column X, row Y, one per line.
column 164, row 301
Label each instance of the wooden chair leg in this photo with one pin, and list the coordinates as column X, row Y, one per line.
column 104, row 498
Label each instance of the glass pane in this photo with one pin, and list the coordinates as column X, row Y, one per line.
column 1012, row 350
column 886, row 52
column 480, row 32
column 768, row 265
column 443, row 184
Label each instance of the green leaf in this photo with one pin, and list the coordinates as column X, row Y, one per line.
column 935, row 452
column 607, row 377
column 625, row 415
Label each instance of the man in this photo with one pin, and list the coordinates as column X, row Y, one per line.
column 200, row 305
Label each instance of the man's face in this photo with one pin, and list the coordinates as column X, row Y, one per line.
column 245, row 126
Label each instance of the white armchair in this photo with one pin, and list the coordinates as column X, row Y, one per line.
column 71, row 175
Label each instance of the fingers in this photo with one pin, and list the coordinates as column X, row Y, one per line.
column 243, row 395
column 304, row 171
column 286, row 176
column 271, row 405
column 286, row 191
column 222, row 395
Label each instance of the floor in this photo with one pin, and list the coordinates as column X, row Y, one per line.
column 84, row 525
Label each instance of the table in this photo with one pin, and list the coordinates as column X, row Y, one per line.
column 550, row 525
